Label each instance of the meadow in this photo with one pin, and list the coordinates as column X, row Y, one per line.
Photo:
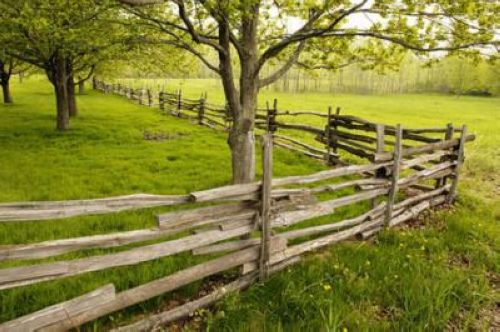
column 439, row 276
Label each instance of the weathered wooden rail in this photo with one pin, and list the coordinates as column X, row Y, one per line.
column 246, row 223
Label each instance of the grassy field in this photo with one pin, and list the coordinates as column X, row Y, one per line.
column 441, row 276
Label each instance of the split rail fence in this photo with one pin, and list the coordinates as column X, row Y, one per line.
column 293, row 130
column 244, row 229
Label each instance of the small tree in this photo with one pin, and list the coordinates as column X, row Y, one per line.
column 247, row 35
column 59, row 37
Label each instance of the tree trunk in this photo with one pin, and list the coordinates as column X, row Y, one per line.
column 81, row 87
column 59, row 79
column 5, row 82
column 242, row 103
column 70, row 86
column 7, row 97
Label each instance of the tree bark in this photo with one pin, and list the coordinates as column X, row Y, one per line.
column 58, row 76
column 70, row 86
column 242, row 103
column 5, row 82
column 7, row 97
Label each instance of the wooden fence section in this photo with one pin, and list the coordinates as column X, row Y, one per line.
column 246, row 227
column 292, row 130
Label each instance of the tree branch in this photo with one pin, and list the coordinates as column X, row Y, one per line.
column 288, row 64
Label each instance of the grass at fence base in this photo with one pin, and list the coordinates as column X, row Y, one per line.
column 105, row 154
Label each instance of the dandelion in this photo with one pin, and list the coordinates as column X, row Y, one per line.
column 344, row 329
column 327, row 287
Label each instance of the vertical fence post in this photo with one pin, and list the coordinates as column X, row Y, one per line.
column 380, row 147
column 265, row 212
column 161, row 101
column 328, row 137
column 201, row 110
column 447, row 136
column 459, row 156
column 94, row 83
column 141, row 93
column 335, row 127
column 150, row 98
column 393, row 191
column 179, row 102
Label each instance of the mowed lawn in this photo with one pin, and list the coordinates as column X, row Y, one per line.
column 437, row 277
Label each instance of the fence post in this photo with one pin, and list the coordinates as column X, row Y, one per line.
column 201, row 110
column 395, row 174
column 161, row 101
column 179, row 102
column 150, row 98
column 460, row 156
column 141, row 94
column 447, row 136
column 94, row 83
column 328, row 137
column 335, row 127
column 380, row 147
column 265, row 212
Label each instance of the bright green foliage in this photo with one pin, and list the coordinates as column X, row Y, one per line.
column 35, row 31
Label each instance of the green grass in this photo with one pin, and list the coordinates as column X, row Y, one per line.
column 429, row 279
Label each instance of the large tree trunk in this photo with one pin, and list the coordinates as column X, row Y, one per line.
column 7, row 97
column 70, row 86
column 58, row 76
column 242, row 102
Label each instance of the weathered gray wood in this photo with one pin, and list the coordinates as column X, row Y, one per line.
column 203, row 216
column 61, row 311
column 299, row 143
column 441, row 145
column 226, row 192
column 420, row 197
column 328, row 174
column 20, row 211
column 236, row 191
column 25, row 275
column 302, row 127
column 418, row 161
column 314, row 230
column 323, row 241
column 448, row 135
column 380, row 140
column 427, row 173
column 226, row 246
column 460, row 156
column 324, row 208
column 295, row 149
column 157, row 287
column 395, row 174
column 58, row 247
column 265, row 212
column 415, row 210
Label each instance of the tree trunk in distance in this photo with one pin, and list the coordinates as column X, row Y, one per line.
column 7, row 96
column 59, row 80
